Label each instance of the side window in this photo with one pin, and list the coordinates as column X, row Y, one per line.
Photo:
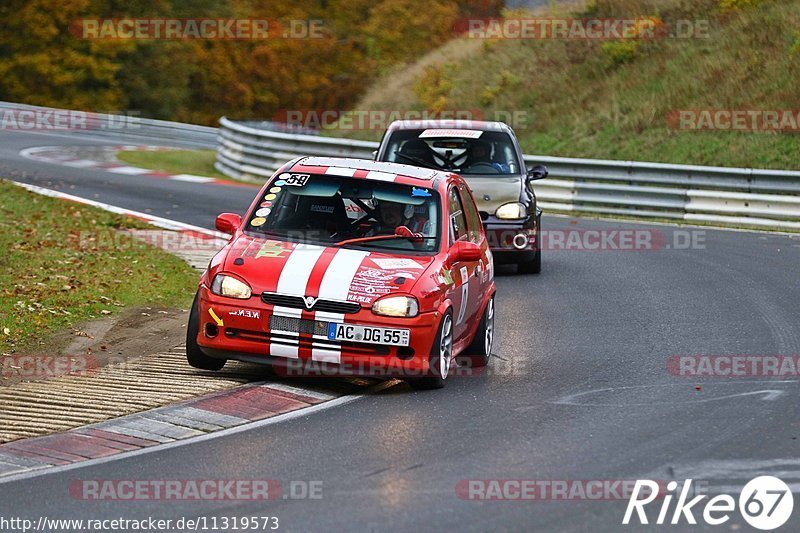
column 458, row 220
column 473, row 217
column 511, row 157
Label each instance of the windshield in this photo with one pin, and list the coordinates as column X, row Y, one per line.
column 328, row 210
column 463, row 151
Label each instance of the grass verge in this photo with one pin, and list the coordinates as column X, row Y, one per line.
column 617, row 99
column 196, row 162
column 53, row 275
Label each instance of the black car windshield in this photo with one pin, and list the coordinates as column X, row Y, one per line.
column 471, row 152
column 351, row 212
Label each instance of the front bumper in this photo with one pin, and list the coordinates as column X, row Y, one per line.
column 239, row 329
column 514, row 238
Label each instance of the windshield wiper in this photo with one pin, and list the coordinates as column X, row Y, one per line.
column 411, row 238
column 417, row 160
column 268, row 233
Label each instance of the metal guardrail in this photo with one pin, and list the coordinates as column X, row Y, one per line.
column 251, row 153
column 716, row 195
column 106, row 125
column 721, row 196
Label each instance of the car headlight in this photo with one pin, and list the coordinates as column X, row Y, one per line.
column 231, row 287
column 405, row 306
column 512, row 210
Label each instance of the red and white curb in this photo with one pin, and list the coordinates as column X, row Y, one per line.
column 102, row 158
column 201, row 418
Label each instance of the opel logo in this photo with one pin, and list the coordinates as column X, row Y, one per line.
column 309, row 301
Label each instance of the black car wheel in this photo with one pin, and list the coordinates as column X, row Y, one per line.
column 194, row 354
column 480, row 350
column 441, row 356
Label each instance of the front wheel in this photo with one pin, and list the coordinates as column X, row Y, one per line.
column 441, row 356
column 480, row 350
column 194, row 354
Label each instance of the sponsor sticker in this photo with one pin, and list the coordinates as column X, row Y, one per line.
column 216, row 318
column 270, row 249
column 327, row 209
column 369, row 283
column 245, row 313
column 258, row 221
column 437, row 133
column 396, row 263
column 447, row 276
column 296, row 180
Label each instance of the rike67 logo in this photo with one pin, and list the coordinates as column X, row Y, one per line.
column 765, row 503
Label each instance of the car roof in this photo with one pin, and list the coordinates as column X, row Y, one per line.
column 481, row 125
column 367, row 169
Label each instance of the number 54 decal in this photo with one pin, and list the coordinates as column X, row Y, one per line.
column 297, row 180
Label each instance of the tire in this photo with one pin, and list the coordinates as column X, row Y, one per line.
column 441, row 357
column 534, row 266
column 194, row 354
column 480, row 350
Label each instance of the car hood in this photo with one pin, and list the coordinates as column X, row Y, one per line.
column 334, row 273
column 498, row 189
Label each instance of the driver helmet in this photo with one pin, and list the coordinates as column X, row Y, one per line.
column 481, row 152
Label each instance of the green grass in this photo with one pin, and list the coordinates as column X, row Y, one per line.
column 612, row 99
column 53, row 275
column 196, row 162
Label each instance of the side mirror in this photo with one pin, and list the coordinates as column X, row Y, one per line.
column 228, row 223
column 374, row 155
column 464, row 251
column 537, row 172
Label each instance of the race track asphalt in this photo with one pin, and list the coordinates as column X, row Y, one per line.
column 579, row 388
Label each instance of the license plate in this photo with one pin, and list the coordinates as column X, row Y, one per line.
column 368, row 334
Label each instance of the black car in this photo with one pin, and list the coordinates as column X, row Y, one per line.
column 488, row 156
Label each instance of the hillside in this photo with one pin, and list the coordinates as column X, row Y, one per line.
column 283, row 54
column 615, row 99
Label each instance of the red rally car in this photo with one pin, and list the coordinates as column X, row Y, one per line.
column 366, row 268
